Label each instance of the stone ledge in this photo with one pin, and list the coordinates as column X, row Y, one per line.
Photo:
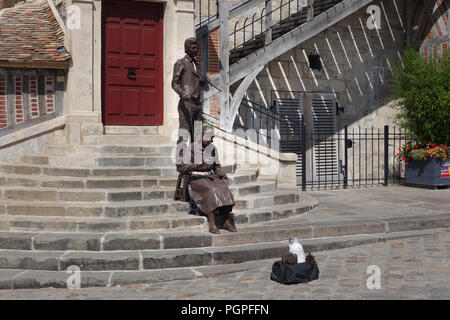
column 31, row 132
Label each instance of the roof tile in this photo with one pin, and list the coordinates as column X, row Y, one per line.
column 30, row 34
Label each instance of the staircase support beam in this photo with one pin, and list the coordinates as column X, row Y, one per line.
column 239, row 95
column 224, row 64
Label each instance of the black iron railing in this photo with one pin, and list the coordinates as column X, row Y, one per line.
column 356, row 157
column 273, row 129
column 327, row 159
column 212, row 11
column 265, row 20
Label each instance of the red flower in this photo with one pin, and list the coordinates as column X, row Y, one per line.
column 406, row 164
column 416, row 146
column 407, row 149
column 403, row 158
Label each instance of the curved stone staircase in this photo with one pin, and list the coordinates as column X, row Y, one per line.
column 109, row 210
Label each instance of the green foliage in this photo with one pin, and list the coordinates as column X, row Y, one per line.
column 423, row 90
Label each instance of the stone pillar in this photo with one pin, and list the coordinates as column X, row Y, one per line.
column 83, row 92
column 178, row 25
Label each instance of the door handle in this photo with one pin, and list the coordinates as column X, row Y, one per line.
column 131, row 74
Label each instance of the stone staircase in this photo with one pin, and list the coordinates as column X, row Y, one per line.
column 109, row 208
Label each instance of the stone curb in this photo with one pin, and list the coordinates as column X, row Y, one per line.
column 199, row 256
column 138, row 240
column 33, row 279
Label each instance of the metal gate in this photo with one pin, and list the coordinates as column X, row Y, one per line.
column 327, row 157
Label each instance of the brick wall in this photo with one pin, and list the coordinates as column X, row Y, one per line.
column 430, row 38
column 29, row 96
column 213, row 68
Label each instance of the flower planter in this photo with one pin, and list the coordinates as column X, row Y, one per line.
column 432, row 173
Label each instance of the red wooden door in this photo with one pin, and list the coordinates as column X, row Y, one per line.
column 132, row 63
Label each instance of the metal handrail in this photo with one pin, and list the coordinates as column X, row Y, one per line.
column 263, row 15
column 268, row 119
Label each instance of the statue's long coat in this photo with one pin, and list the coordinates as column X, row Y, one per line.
column 208, row 192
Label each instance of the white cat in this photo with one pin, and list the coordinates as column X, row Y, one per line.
column 296, row 248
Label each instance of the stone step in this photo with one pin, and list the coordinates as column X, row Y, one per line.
column 140, row 260
column 275, row 213
column 12, row 180
column 175, row 221
column 125, row 216
column 91, row 161
column 165, row 170
column 130, row 140
column 56, row 241
column 105, row 182
column 82, row 209
column 63, row 150
column 149, row 192
column 272, row 199
column 59, row 161
column 238, row 260
column 79, row 172
column 54, row 194
column 149, row 240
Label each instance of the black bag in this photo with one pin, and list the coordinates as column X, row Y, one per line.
column 294, row 273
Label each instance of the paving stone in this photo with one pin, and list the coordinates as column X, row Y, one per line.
column 102, row 226
column 33, row 195
column 126, row 278
column 99, row 261
column 176, row 258
column 225, row 255
column 34, row 210
column 81, row 196
column 106, row 184
column 186, row 240
column 63, row 184
column 133, row 241
column 16, row 240
column 135, row 210
column 124, row 196
column 125, row 172
column 47, row 225
column 143, row 224
column 66, row 172
column 29, row 260
column 46, row 279
column 6, row 277
column 66, row 241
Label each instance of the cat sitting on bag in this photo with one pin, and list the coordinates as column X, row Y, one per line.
column 296, row 253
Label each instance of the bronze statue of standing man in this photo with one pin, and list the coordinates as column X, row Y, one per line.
column 187, row 81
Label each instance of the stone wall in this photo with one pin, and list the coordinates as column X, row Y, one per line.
column 29, row 96
column 357, row 67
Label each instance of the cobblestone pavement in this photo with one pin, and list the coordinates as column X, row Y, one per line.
column 411, row 268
